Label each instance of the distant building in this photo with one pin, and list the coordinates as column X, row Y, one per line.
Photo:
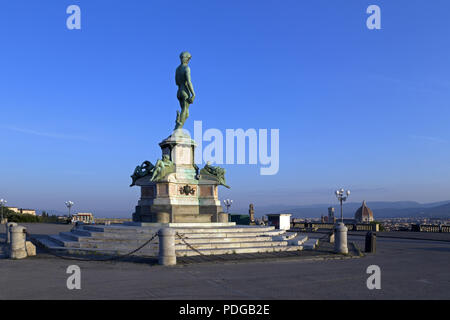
column 331, row 218
column 85, row 217
column 22, row 211
column 14, row 209
column 364, row 214
column 28, row 211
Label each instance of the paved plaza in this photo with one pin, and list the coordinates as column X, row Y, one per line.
column 410, row 269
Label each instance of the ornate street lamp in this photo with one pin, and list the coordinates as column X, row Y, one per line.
column 69, row 205
column 340, row 230
column 342, row 196
column 2, row 204
column 228, row 204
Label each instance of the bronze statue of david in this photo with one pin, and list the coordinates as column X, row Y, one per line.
column 185, row 93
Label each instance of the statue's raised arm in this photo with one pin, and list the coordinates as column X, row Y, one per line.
column 185, row 93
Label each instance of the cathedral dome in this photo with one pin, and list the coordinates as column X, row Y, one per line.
column 364, row 214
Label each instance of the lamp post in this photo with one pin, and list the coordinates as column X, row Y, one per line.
column 340, row 230
column 228, row 204
column 2, row 204
column 342, row 196
column 69, row 205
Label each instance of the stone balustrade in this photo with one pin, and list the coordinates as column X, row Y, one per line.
column 329, row 226
column 430, row 228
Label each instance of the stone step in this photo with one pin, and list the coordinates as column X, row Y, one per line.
column 72, row 235
column 82, row 235
column 154, row 253
column 62, row 243
column 311, row 244
column 70, row 239
column 233, row 234
column 284, row 236
column 214, row 239
column 180, row 225
column 81, row 232
column 118, row 229
column 61, row 240
column 107, row 236
column 127, row 247
column 184, row 253
column 225, row 239
column 202, row 243
column 96, row 239
column 237, row 229
column 126, row 244
column 221, row 245
column 55, row 246
column 196, row 218
column 48, row 242
column 143, row 230
column 299, row 240
column 152, row 249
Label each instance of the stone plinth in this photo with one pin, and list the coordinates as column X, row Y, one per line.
column 181, row 196
column 167, row 256
column 9, row 225
column 340, row 244
column 17, row 247
column 281, row 221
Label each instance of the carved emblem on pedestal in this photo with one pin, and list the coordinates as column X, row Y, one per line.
column 187, row 190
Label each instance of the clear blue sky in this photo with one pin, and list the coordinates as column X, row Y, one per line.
column 365, row 109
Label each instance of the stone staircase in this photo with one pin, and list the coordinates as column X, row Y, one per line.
column 206, row 239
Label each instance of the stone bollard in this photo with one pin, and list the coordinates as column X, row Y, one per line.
column 9, row 225
column 30, row 248
column 331, row 238
column 340, row 244
column 167, row 255
column 17, row 246
column 162, row 217
column 223, row 217
column 371, row 242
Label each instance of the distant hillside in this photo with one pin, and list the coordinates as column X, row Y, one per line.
column 381, row 209
column 438, row 211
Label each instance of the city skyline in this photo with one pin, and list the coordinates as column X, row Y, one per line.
column 362, row 109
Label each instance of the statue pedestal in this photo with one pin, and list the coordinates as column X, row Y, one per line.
column 182, row 196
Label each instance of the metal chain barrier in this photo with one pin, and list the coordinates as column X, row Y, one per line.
column 39, row 244
column 206, row 257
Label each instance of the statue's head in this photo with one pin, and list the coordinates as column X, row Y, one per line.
column 185, row 57
column 166, row 157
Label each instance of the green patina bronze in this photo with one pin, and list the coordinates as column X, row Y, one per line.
column 156, row 172
column 165, row 166
column 162, row 168
column 141, row 171
column 185, row 93
column 215, row 173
